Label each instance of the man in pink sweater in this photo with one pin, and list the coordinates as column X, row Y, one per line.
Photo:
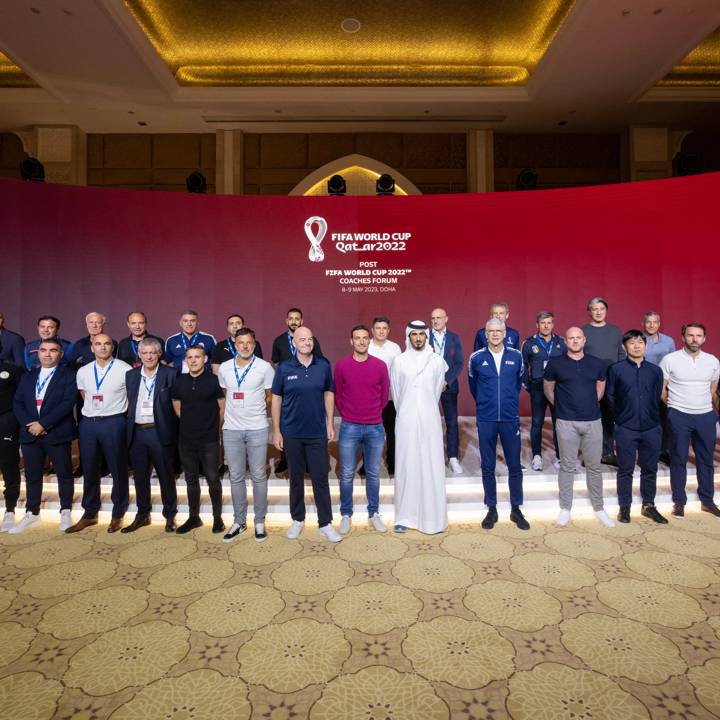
column 362, row 388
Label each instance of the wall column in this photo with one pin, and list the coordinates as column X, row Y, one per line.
column 480, row 161
column 229, row 162
column 650, row 153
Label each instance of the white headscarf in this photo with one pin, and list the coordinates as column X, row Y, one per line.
column 414, row 326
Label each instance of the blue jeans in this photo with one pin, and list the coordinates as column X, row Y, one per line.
column 371, row 438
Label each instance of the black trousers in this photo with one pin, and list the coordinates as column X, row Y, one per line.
column 146, row 452
column 608, row 426
column 314, row 452
column 539, row 405
column 645, row 445
column 388, row 419
column 196, row 459
column 10, row 459
column 60, row 456
column 448, row 401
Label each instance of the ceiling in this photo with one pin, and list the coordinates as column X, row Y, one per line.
column 412, row 65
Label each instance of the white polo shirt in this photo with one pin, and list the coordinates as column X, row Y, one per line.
column 689, row 379
column 111, row 397
column 245, row 407
column 387, row 352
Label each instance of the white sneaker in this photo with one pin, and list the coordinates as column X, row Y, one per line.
column 65, row 520
column 537, row 462
column 27, row 520
column 295, row 529
column 556, row 464
column 604, row 518
column 8, row 522
column 330, row 533
column 563, row 518
column 345, row 524
column 455, row 466
column 377, row 523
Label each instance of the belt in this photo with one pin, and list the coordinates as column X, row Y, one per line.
column 145, row 426
column 103, row 417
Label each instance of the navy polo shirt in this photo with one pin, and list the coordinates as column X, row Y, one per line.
column 634, row 394
column 303, row 401
column 575, row 389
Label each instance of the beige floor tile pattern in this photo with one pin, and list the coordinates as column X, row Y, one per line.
column 583, row 623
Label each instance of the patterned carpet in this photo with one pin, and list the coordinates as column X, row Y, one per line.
column 579, row 624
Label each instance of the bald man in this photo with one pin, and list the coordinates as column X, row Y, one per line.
column 574, row 384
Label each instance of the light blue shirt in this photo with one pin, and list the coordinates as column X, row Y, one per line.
column 658, row 349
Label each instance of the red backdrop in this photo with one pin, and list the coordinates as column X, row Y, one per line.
column 650, row 245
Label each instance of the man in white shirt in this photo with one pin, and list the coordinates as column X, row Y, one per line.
column 246, row 381
column 386, row 350
column 103, row 432
column 690, row 389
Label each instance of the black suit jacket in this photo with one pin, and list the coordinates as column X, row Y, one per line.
column 12, row 347
column 56, row 414
column 166, row 421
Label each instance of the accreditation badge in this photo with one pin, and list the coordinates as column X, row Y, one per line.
column 238, row 399
column 146, row 407
column 98, row 402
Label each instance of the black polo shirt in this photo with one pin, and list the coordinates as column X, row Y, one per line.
column 10, row 375
column 634, row 394
column 303, row 400
column 225, row 350
column 281, row 348
column 127, row 349
column 199, row 411
column 575, row 388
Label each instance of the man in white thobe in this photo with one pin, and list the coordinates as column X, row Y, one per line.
column 417, row 378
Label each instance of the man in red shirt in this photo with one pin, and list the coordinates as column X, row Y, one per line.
column 362, row 388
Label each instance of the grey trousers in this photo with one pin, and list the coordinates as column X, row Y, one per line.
column 251, row 446
column 574, row 435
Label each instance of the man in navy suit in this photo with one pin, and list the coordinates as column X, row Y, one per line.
column 43, row 406
column 12, row 345
column 152, row 430
column 447, row 344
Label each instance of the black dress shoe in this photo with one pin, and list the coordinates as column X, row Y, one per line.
column 650, row 511
column 281, row 467
column 170, row 525
column 665, row 458
column 624, row 515
column 678, row 510
column 711, row 508
column 136, row 524
column 78, row 472
column 518, row 518
column 222, row 470
column 609, row 459
column 218, row 525
column 190, row 524
column 490, row 519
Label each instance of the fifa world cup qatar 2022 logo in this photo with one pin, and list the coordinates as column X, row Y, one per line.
column 316, row 254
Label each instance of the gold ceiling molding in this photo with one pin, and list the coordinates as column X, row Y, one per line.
column 701, row 68
column 11, row 76
column 301, row 43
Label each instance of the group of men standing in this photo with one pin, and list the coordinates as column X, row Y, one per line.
column 148, row 405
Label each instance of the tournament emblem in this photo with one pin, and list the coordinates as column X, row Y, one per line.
column 316, row 254
column 4, row 374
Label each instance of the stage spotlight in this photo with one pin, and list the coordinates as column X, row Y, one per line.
column 690, row 164
column 385, row 185
column 336, row 185
column 32, row 169
column 527, row 179
column 196, row 183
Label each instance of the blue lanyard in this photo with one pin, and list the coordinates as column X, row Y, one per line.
column 546, row 348
column 98, row 381
column 149, row 389
column 231, row 347
column 440, row 346
column 184, row 342
column 39, row 386
column 239, row 377
column 293, row 349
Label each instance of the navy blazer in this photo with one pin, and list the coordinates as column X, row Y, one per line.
column 12, row 347
column 166, row 422
column 56, row 414
column 453, row 356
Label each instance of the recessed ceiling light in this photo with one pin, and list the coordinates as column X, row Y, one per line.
column 427, row 112
column 278, row 112
column 350, row 25
column 657, row 11
column 67, row 12
column 131, row 112
column 563, row 122
column 626, row 12
column 35, row 10
column 142, row 122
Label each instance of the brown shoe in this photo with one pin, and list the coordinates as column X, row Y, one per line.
column 115, row 524
column 81, row 524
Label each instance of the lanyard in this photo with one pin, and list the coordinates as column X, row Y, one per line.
column 184, row 341
column 239, row 377
column 99, row 381
column 231, row 347
column 135, row 347
column 547, row 348
column 440, row 346
column 293, row 349
column 40, row 385
column 149, row 389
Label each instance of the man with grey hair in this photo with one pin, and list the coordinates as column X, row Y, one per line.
column 152, row 433
column 499, row 311
column 81, row 352
column 495, row 374
column 574, row 383
column 604, row 341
